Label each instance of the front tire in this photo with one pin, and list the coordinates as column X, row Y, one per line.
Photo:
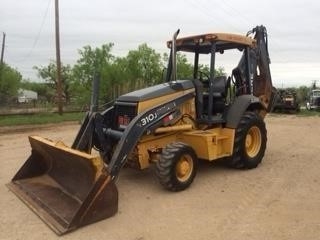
column 250, row 142
column 177, row 166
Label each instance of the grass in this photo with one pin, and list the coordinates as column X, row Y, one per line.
column 40, row 118
column 307, row 113
column 44, row 118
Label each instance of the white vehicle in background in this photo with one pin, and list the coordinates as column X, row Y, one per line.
column 26, row 96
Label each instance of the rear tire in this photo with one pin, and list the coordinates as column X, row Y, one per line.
column 250, row 142
column 177, row 166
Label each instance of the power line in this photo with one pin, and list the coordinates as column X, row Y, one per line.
column 212, row 17
column 238, row 13
column 35, row 42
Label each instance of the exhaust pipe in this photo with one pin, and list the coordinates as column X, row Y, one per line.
column 174, row 56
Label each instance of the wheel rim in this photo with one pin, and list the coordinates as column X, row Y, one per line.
column 184, row 168
column 253, row 141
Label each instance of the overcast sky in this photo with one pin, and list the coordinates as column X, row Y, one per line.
column 293, row 28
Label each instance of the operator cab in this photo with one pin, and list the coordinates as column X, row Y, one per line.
column 214, row 91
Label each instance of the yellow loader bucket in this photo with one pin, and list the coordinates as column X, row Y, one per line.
column 66, row 188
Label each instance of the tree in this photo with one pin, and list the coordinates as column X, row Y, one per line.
column 48, row 73
column 92, row 61
column 185, row 68
column 116, row 79
column 45, row 92
column 144, row 66
column 9, row 83
column 139, row 69
column 302, row 94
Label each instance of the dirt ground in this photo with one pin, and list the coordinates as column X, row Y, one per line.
column 278, row 200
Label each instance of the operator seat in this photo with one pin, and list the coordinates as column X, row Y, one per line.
column 199, row 97
column 219, row 87
column 240, row 82
column 219, row 93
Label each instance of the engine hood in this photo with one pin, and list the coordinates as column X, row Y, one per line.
column 156, row 91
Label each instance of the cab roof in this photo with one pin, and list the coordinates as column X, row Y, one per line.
column 202, row 43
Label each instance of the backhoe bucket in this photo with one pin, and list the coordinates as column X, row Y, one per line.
column 65, row 187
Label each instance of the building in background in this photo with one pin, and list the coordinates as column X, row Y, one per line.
column 26, row 96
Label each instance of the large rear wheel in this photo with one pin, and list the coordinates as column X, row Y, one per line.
column 250, row 142
column 177, row 166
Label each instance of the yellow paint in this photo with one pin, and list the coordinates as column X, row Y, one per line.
column 210, row 144
column 190, row 108
column 184, row 168
column 96, row 162
column 253, row 141
column 153, row 143
column 184, row 127
column 209, row 37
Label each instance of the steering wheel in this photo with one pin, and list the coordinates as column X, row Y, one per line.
column 204, row 78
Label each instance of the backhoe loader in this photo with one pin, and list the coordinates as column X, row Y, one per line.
column 172, row 125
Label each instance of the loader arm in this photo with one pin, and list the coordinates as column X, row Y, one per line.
column 137, row 127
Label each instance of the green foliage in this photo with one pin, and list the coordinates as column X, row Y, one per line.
column 308, row 113
column 92, row 61
column 114, row 79
column 302, row 94
column 9, row 83
column 138, row 69
column 40, row 118
column 141, row 67
column 144, row 66
column 48, row 73
column 45, row 92
column 220, row 71
column 184, row 68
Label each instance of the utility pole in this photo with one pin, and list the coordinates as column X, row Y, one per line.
column 2, row 53
column 59, row 82
column 2, row 50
